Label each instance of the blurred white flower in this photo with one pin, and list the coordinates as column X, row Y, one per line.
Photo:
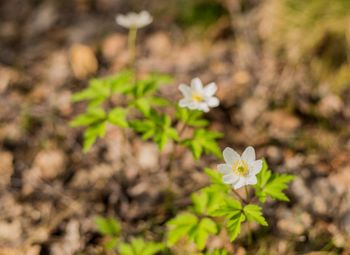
column 134, row 20
column 198, row 97
column 240, row 170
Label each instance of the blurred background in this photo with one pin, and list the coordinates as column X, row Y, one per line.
column 283, row 72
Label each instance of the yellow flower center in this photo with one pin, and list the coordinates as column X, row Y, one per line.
column 197, row 97
column 240, row 167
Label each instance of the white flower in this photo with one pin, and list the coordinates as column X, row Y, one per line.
column 134, row 20
column 198, row 97
column 240, row 170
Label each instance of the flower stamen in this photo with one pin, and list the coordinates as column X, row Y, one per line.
column 240, row 167
column 197, row 97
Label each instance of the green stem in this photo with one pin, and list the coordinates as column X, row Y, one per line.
column 249, row 235
column 246, row 193
column 239, row 196
column 132, row 47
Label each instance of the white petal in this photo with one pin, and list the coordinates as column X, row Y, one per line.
column 134, row 20
column 230, row 179
column 251, row 180
column 255, row 167
column 213, row 101
column 122, row 21
column 230, row 155
column 144, row 19
column 203, row 107
column 249, row 154
column 210, row 89
column 196, row 85
column 240, row 183
column 184, row 102
column 185, row 90
column 224, row 169
column 194, row 105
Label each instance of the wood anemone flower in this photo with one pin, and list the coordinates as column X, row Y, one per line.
column 240, row 170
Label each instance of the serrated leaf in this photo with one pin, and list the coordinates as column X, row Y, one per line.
column 97, row 89
column 139, row 247
column 206, row 201
column 158, row 101
column 92, row 116
column 107, row 226
column 148, row 86
column 180, row 227
column 217, row 184
column 192, row 118
column 229, row 208
column 120, row 82
column 117, row 116
column 201, row 233
column 92, row 133
column 276, row 185
column 234, row 225
column 264, row 174
column 204, row 141
column 156, row 127
column 125, row 249
column 143, row 105
column 271, row 185
column 232, row 210
column 254, row 213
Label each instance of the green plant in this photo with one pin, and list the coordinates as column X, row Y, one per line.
column 111, row 229
column 127, row 102
column 216, row 207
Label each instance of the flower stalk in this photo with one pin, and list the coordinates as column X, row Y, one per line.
column 132, row 48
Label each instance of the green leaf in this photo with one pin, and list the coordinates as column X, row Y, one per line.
column 156, row 127
column 254, row 213
column 139, row 247
column 145, row 104
column 207, row 201
column 120, row 82
column 117, row 116
column 187, row 225
column 111, row 244
column 200, row 235
column 158, row 101
column 96, row 89
column 91, row 134
column 217, row 252
column 192, row 118
column 142, row 104
column 108, row 226
column 161, row 79
column 217, row 184
column 271, row 185
column 232, row 211
column 180, row 226
column 100, row 89
column 204, row 141
column 234, row 225
column 92, row 116
column 229, row 208
column 148, row 85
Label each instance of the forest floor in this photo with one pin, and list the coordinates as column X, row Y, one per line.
column 51, row 191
